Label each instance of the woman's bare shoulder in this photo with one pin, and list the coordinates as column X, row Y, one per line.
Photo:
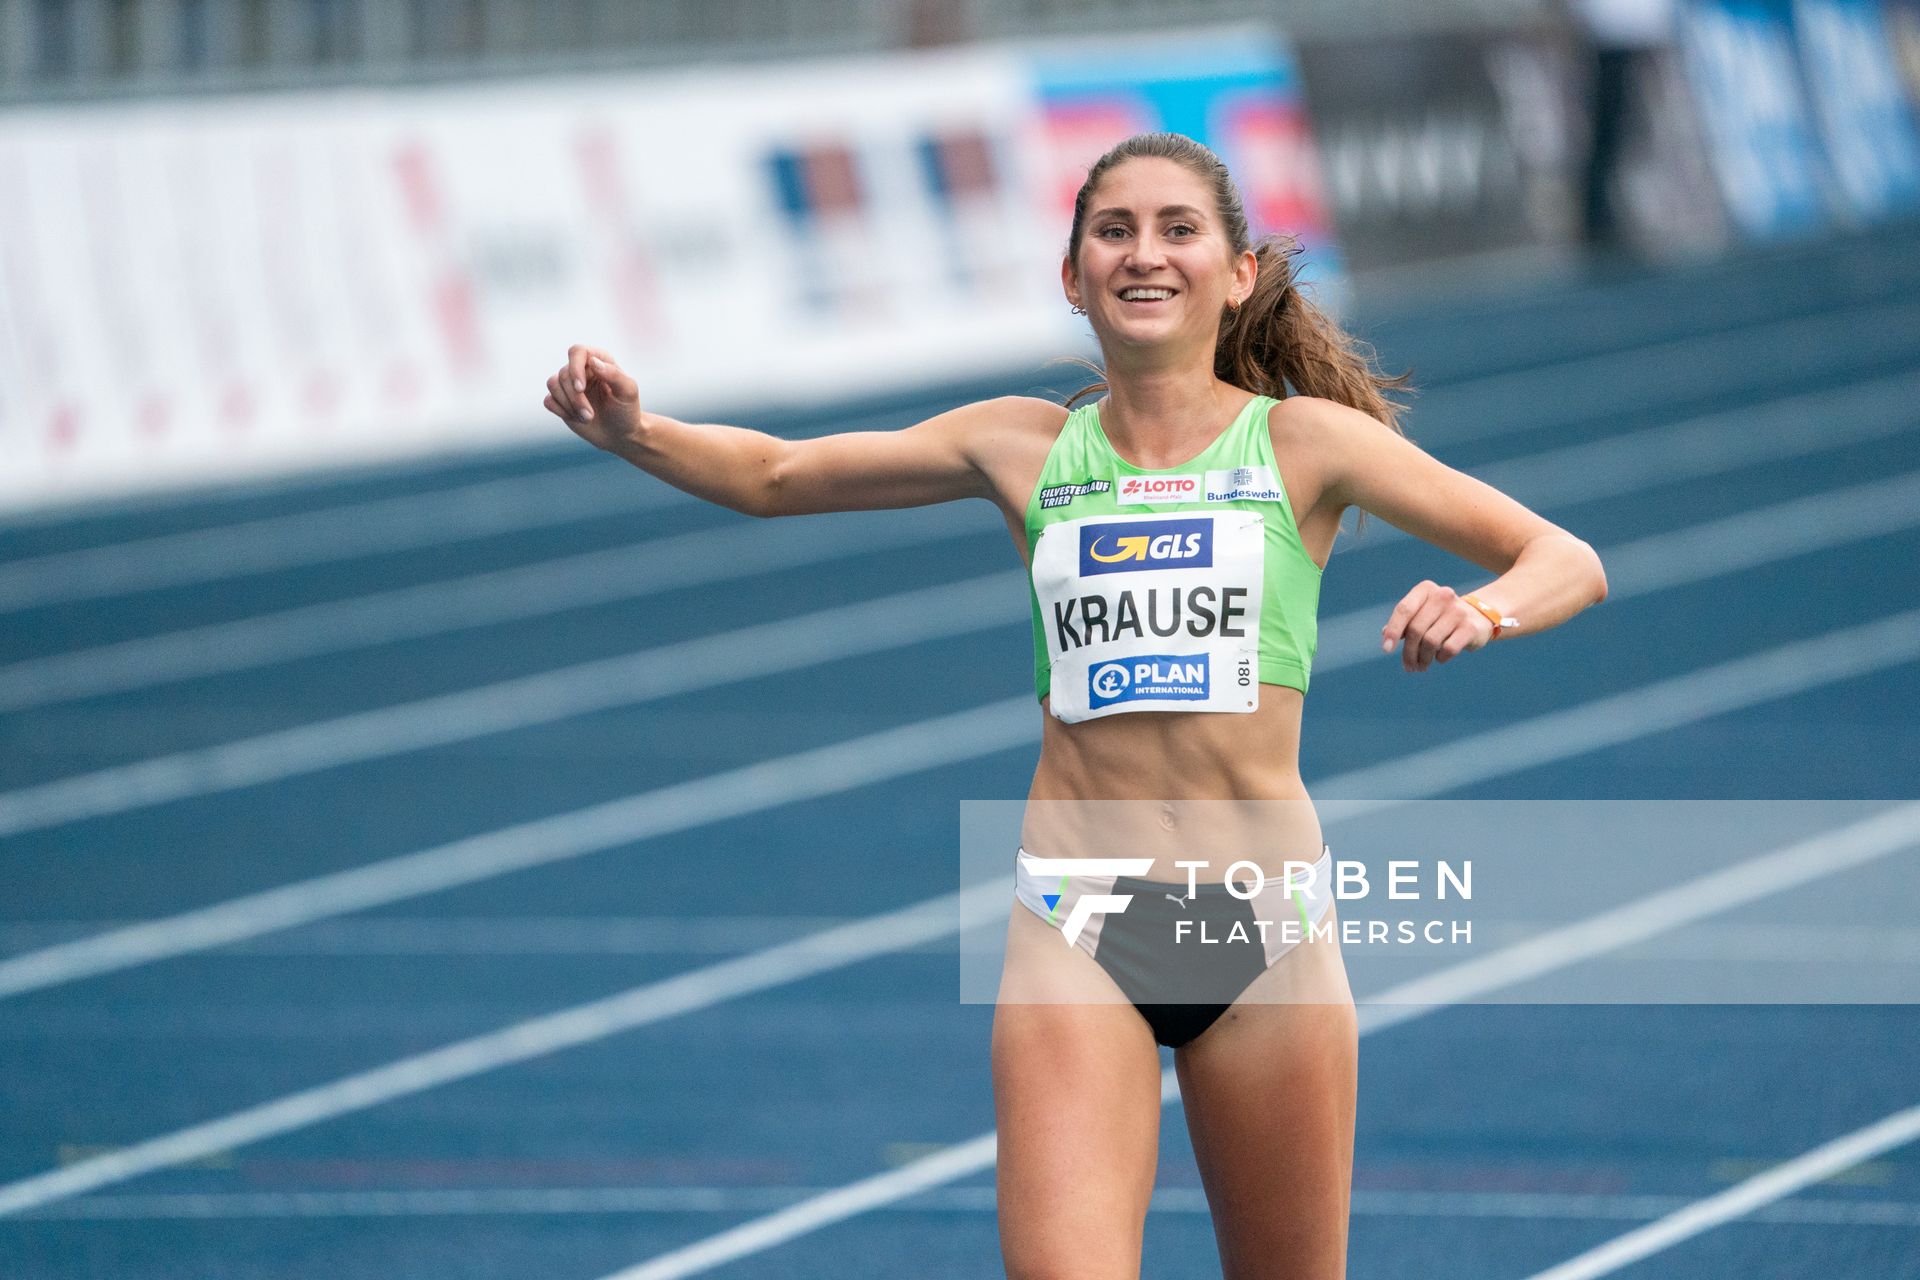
column 1307, row 418
column 1009, row 438
column 1024, row 413
column 1310, row 435
column 1009, row 427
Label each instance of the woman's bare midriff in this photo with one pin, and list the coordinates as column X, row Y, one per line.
column 1176, row 785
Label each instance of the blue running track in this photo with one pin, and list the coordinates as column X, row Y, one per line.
column 214, row 707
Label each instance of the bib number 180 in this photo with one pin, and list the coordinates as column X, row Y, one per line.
column 1246, row 673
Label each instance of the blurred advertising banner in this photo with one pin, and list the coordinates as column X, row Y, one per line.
column 1664, row 191
column 1247, row 103
column 1807, row 121
column 1445, row 144
column 197, row 290
column 1903, row 34
column 1860, row 106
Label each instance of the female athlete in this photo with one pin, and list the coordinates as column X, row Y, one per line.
column 1174, row 530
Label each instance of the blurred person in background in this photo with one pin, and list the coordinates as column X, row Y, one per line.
column 1215, row 365
column 1623, row 34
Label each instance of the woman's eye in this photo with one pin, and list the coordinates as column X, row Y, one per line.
column 1180, row 229
column 1115, row 230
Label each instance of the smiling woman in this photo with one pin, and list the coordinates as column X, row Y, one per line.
column 1271, row 338
column 1175, row 531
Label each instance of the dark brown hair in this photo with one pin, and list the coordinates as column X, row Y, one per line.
column 1277, row 339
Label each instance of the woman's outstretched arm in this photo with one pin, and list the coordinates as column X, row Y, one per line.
column 938, row 460
column 1546, row 575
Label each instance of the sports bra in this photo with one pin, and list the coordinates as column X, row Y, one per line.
column 1179, row 589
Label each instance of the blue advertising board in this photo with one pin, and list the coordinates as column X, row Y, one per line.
column 1745, row 75
column 1860, row 105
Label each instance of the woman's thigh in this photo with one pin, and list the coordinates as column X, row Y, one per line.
column 1269, row 1096
column 1076, row 1089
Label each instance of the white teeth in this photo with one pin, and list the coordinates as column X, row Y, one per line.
column 1143, row 295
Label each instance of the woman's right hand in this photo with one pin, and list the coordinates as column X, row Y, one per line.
column 595, row 398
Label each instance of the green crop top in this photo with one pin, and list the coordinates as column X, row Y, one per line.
column 1182, row 589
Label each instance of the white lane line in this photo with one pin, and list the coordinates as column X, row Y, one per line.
column 821, row 771
column 1834, row 851
column 1714, row 893
column 564, row 495
column 703, row 662
column 1728, row 544
column 1346, row 640
column 1681, row 700
column 1543, row 398
column 1800, row 525
column 700, row 988
column 1775, row 944
column 561, row 496
column 1609, row 468
column 509, row 935
column 533, row 1038
column 955, row 1162
column 1763, row 535
column 1802, row 1171
column 1698, row 448
column 1544, row 1205
column 381, row 525
column 1526, row 1206
column 630, row 572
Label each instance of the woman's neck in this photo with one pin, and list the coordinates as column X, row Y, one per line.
column 1164, row 416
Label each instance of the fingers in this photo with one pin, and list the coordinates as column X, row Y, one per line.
column 618, row 383
column 1455, row 642
column 1432, row 624
column 590, row 377
column 1422, row 641
column 573, row 382
column 558, row 402
column 1403, row 614
column 588, row 369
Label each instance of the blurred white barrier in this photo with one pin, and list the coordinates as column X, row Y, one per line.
column 200, row 290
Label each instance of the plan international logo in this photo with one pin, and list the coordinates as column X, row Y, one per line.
column 1165, row 677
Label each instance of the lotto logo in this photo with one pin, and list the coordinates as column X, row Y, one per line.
column 1145, row 544
column 1145, row 490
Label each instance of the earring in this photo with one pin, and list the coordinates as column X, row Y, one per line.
column 1079, row 311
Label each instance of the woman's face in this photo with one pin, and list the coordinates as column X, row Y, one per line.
column 1155, row 265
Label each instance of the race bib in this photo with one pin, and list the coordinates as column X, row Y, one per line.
column 1152, row 613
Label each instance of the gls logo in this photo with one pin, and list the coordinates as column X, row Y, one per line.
column 1087, row 905
column 1146, row 544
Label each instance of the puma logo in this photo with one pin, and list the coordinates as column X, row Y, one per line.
column 1172, row 898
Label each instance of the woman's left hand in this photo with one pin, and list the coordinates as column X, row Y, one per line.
column 1435, row 624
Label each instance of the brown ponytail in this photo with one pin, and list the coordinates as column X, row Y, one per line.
column 1277, row 342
